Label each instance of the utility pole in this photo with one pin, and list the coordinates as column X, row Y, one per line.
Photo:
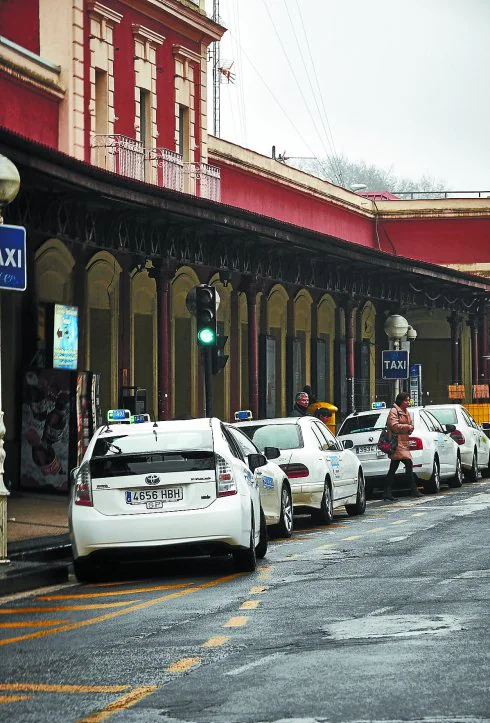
column 215, row 58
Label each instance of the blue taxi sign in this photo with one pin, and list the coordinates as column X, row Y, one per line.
column 243, row 415
column 118, row 415
column 138, row 418
column 13, row 274
column 378, row 405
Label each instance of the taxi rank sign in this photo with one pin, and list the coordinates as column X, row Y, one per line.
column 395, row 364
column 13, row 258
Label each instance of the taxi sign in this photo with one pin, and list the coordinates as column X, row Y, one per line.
column 378, row 405
column 118, row 415
column 138, row 418
column 243, row 415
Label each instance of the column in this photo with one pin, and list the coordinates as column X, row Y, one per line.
column 290, row 336
column 163, row 275
column 349, row 308
column 473, row 323
column 234, row 347
column 484, row 344
column 253, row 350
column 124, row 337
column 455, row 326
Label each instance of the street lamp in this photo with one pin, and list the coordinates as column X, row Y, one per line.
column 9, row 188
column 396, row 327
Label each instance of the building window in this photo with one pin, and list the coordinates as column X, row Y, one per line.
column 184, row 133
column 101, row 103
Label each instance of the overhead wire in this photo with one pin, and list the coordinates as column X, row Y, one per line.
column 332, row 160
column 296, row 81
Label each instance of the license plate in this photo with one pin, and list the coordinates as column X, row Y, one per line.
column 366, row 449
column 160, row 496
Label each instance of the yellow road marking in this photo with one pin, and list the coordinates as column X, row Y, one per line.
column 32, row 624
column 250, row 605
column 290, row 557
column 399, row 522
column 352, row 537
column 82, row 596
column 377, row 529
column 183, row 665
column 264, row 572
column 125, row 611
column 58, row 608
column 324, row 547
column 236, row 622
column 46, row 688
column 418, row 514
column 256, row 590
column 13, row 698
column 216, row 641
column 126, row 701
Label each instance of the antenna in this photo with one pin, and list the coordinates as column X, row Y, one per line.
column 215, row 51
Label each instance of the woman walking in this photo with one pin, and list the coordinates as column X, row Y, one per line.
column 400, row 426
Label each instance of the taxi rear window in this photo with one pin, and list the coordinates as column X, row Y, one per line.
column 121, row 465
column 364, row 423
column 284, row 436
column 445, row 416
column 154, row 441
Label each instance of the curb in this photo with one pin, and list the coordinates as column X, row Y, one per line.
column 21, row 576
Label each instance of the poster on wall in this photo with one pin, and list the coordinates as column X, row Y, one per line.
column 65, row 337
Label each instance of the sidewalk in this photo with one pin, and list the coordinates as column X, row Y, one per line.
column 38, row 544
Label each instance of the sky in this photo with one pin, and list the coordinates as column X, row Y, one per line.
column 401, row 84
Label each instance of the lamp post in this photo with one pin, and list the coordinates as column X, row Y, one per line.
column 396, row 327
column 9, row 188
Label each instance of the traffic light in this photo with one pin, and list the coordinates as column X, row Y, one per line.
column 206, row 315
column 219, row 358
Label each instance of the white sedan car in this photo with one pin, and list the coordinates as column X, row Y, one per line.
column 151, row 490
column 474, row 445
column 274, row 485
column 434, row 453
column 323, row 475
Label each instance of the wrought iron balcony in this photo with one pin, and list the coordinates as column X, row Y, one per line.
column 161, row 166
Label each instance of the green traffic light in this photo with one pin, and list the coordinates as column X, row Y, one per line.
column 206, row 336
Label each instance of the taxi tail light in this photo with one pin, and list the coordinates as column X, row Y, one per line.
column 295, row 470
column 83, row 488
column 415, row 443
column 457, row 436
column 225, row 483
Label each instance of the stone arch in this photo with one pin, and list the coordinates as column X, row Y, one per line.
column 143, row 337
column 184, row 352
column 432, row 349
column 102, row 324
column 53, row 269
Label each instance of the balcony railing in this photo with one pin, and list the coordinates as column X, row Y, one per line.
column 161, row 166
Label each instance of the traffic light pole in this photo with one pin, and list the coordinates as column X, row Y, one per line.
column 208, row 379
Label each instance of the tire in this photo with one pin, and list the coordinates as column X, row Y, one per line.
column 261, row 548
column 85, row 571
column 284, row 527
column 473, row 473
column 324, row 516
column 360, row 507
column 457, row 480
column 433, row 485
column 246, row 560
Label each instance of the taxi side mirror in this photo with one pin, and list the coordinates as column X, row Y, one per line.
column 272, row 452
column 448, row 428
column 347, row 444
column 256, row 460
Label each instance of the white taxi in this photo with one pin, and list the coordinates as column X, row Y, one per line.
column 473, row 443
column 435, row 455
column 151, row 490
column 323, row 475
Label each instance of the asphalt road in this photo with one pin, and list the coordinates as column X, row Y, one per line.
column 380, row 618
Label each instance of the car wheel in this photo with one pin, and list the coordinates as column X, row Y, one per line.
column 473, row 473
column 85, row 571
column 246, row 560
column 360, row 507
column 457, row 480
column 284, row 527
column 325, row 514
column 261, row 548
column 433, row 485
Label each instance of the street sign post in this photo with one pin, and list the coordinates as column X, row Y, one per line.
column 13, row 274
column 395, row 364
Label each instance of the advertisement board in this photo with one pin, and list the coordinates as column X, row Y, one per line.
column 65, row 337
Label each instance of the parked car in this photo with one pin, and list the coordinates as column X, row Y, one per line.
column 274, row 485
column 435, row 454
column 474, row 445
column 323, row 475
column 165, row 488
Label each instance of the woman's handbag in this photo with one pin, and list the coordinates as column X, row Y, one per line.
column 387, row 442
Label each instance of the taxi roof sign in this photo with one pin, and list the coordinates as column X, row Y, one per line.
column 118, row 415
column 243, row 415
column 139, row 418
column 378, row 405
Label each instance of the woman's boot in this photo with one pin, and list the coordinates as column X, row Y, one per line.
column 414, row 492
column 387, row 493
